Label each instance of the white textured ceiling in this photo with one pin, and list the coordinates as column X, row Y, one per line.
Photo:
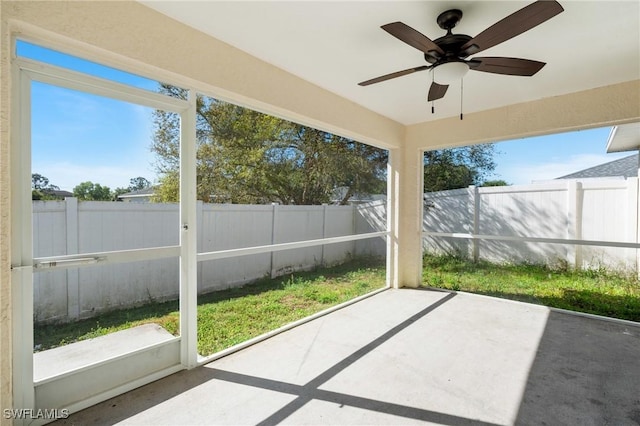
column 336, row 44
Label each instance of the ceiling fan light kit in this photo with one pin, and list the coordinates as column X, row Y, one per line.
column 450, row 72
column 448, row 56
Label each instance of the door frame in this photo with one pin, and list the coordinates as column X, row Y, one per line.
column 111, row 376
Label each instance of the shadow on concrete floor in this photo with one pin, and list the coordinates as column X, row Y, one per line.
column 584, row 373
column 433, row 357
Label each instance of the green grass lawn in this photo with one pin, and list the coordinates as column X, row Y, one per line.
column 232, row 316
column 596, row 292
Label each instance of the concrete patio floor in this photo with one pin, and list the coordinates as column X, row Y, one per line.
column 408, row 357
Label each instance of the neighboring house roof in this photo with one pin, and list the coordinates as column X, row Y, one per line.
column 624, row 167
column 58, row 193
column 140, row 193
column 339, row 193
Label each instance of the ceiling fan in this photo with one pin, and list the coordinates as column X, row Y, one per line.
column 448, row 54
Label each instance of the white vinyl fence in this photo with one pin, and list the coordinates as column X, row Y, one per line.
column 72, row 227
column 597, row 210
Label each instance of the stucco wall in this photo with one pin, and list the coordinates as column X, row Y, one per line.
column 599, row 107
column 5, row 294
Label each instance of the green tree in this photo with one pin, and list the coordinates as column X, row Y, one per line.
column 41, row 188
column 89, row 191
column 40, row 182
column 168, row 191
column 497, row 182
column 244, row 156
column 455, row 168
column 138, row 183
column 135, row 184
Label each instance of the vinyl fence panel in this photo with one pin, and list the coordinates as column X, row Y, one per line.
column 371, row 217
column 610, row 212
column 598, row 209
column 224, row 227
column 297, row 223
column 531, row 211
column 451, row 212
column 338, row 221
column 50, row 239
column 602, row 210
column 72, row 227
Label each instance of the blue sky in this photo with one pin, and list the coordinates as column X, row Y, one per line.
column 78, row 137
column 547, row 157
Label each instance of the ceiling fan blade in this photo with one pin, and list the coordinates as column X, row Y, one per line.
column 393, row 75
column 412, row 37
column 436, row 91
column 508, row 66
column 511, row 26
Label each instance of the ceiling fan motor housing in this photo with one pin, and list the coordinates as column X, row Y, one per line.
column 451, row 44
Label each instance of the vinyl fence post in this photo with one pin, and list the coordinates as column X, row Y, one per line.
column 273, row 236
column 632, row 223
column 574, row 222
column 579, row 216
column 324, row 231
column 73, row 280
column 474, row 224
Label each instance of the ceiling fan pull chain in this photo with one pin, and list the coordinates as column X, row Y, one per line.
column 433, row 108
column 461, row 91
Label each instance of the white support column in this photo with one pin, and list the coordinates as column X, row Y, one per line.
column 404, row 218
column 188, row 237
column 393, row 194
